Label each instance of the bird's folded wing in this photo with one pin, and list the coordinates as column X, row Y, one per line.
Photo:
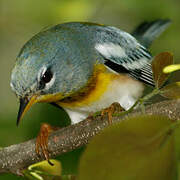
column 127, row 57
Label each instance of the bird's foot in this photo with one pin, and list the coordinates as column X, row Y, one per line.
column 114, row 107
column 42, row 140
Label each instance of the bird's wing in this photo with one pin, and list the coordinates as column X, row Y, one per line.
column 123, row 53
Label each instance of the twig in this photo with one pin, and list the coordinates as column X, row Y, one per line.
column 17, row 157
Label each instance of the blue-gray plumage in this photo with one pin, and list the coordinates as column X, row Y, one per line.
column 61, row 59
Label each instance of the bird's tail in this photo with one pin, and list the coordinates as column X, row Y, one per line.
column 146, row 32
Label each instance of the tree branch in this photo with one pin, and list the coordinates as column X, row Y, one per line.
column 17, row 157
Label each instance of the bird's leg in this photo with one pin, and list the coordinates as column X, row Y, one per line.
column 42, row 140
column 114, row 107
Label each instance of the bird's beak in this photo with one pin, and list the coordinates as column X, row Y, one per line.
column 25, row 104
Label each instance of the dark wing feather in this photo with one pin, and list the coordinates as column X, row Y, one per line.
column 145, row 74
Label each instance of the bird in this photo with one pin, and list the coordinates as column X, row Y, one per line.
column 84, row 67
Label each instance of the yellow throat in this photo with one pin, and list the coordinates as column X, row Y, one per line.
column 96, row 86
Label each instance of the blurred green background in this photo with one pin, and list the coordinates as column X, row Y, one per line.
column 21, row 19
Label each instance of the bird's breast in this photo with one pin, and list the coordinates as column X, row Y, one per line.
column 96, row 86
column 102, row 89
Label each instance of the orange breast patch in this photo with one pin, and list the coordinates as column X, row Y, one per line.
column 94, row 89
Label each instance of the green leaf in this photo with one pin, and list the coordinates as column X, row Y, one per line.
column 44, row 171
column 171, row 91
column 158, row 64
column 137, row 148
column 171, row 68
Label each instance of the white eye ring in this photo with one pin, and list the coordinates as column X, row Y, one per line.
column 41, row 73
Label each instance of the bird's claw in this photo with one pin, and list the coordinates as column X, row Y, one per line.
column 114, row 107
column 42, row 141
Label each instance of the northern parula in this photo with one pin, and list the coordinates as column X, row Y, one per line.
column 85, row 67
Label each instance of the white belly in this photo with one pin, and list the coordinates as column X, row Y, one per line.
column 125, row 93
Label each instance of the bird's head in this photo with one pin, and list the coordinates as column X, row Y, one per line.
column 48, row 69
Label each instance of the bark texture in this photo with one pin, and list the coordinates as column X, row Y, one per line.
column 17, row 157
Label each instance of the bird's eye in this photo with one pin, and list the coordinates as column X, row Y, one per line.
column 47, row 76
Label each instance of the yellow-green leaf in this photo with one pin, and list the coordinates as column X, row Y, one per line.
column 137, row 148
column 171, row 68
column 158, row 64
column 171, row 91
column 44, row 171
